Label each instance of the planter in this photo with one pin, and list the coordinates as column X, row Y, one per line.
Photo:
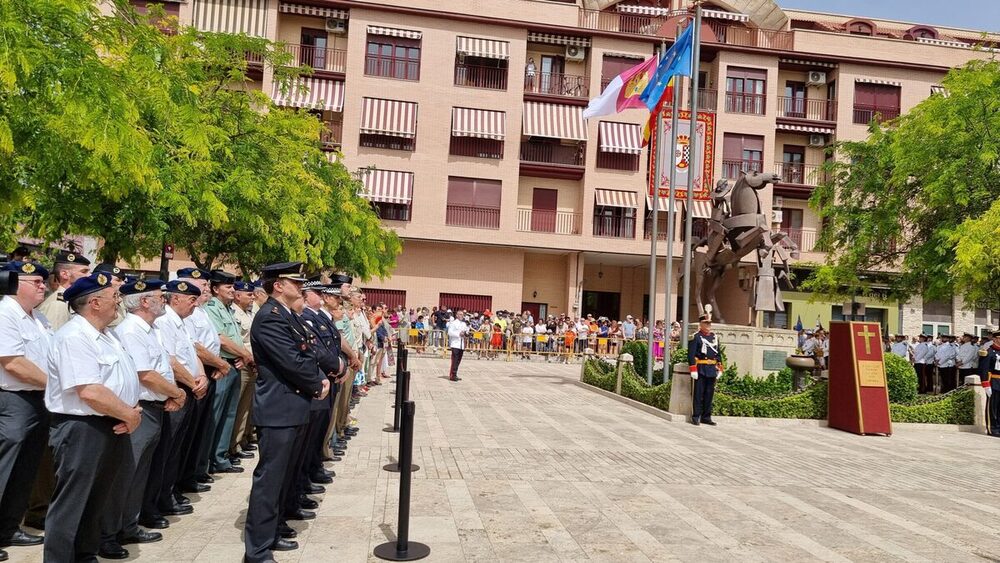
column 800, row 364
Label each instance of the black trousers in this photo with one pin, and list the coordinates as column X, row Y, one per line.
column 121, row 515
column 925, row 378
column 993, row 409
column 456, row 359
column 24, row 430
column 198, row 438
column 949, row 378
column 276, row 447
column 963, row 372
column 166, row 465
column 294, row 486
column 87, row 454
column 704, row 394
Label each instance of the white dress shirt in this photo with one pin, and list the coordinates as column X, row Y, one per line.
column 83, row 355
column 901, row 349
column 142, row 342
column 201, row 329
column 968, row 356
column 23, row 334
column 945, row 355
column 920, row 353
column 177, row 342
column 456, row 330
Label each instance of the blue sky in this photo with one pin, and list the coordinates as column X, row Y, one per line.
column 981, row 15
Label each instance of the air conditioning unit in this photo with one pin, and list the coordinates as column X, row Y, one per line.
column 817, row 140
column 776, row 216
column 816, row 78
column 575, row 53
column 335, row 25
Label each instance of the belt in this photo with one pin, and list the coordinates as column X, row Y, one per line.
column 995, row 376
column 706, row 362
column 24, row 391
column 160, row 404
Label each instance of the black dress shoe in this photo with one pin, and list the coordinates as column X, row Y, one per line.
column 301, row 514
column 314, row 489
column 333, row 458
column 112, row 550
column 307, row 503
column 235, row 460
column 22, row 538
column 321, row 479
column 182, row 500
column 142, row 536
column 177, row 510
column 194, row 488
column 287, row 532
column 3, row 555
column 284, row 545
column 337, row 451
column 243, row 455
column 249, row 447
column 696, row 422
column 230, row 469
column 709, row 422
column 155, row 523
column 205, row 479
column 351, row 431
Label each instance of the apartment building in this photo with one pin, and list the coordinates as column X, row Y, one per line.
column 464, row 120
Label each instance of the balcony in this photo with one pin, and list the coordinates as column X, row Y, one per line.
column 799, row 173
column 733, row 168
column 331, row 134
column 864, row 114
column 476, row 147
column 621, row 23
column 802, row 108
column 699, row 227
column 551, row 153
column 804, row 238
column 548, row 221
column 742, row 102
column 472, row 216
column 556, row 84
column 618, row 161
column 474, row 76
column 320, row 59
column 750, row 37
column 614, row 227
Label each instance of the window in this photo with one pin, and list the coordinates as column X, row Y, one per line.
column 745, row 89
column 476, row 147
column 741, row 153
column 618, row 161
column 875, row 101
column 471, row 303
column 388, row 124
column 481, row 72
column 392, row 211
column 920, row 32
column 793, row 164
column 612, row 66
column 614, row 222
column 794, row 102
column 387, row 142
column 313, row 52
column 860, row 27
column 393, row 57
column 473, row 202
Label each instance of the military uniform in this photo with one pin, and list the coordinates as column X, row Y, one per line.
column 227, row 388
column 989, row 374
column 706, row 365
column 944, row 358
column 243, row 430
column 967, row 358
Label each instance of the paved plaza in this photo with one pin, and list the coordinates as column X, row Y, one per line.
column 518, row 463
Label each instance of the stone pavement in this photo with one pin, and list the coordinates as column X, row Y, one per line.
column 520, row 464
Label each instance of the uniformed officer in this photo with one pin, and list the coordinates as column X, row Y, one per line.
column 944, row 359
column 706, row 365
column 69, row 267
column 989, row 374
column 352, row 342
column 920, row 363
column 334, row 310
column 243, row 312
column 967, row 357
column 900, row 347
column 118, row 278
column 24, row 423
column 93, row 395
column 288, row 379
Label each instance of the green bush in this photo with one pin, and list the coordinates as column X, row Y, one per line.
column 601, row 374
column 810, row 403
column 901, row 378
column 639, row 349
column 956, row 407
column 750, row 387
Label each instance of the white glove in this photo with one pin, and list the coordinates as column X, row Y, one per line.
column 989, row 392
column 694, row 375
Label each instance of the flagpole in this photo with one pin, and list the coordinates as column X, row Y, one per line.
column 693, row 168
column 651, row 311
column 668, row 316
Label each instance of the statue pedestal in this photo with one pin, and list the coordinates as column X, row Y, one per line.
column 757, row 351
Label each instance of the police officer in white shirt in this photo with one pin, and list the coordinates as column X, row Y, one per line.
column 944, row 359
column 900, row 347
column 93, row 395
column 920, row 363
column 457, row 330
column 967, row 357
column 24, row 422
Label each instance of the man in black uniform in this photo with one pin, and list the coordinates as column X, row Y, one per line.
column 706, row 365
column 989, row 373
column 288, row 379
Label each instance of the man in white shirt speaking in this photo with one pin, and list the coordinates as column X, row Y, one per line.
column 457, row 330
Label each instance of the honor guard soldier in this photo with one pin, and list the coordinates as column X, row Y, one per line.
column 24, row 425
column 93, row 395
column 69, row 267
column 288, row 379
column 706, row 365
column 989, row 374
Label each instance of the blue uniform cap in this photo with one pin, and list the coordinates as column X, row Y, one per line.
column 67, row 257
column 193, row 273
column 241, row 285
column 141, row 286
column 110, row 269
column 181, row 288
column 87, row 285
column 285, row 270
column 26, row 268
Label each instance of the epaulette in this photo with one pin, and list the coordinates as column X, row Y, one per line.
column 274, row 311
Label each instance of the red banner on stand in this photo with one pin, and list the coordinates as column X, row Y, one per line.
column 858, row 394
column 704, row 170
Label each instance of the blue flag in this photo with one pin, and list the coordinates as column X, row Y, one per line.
column 676, row 61
column 798, row 325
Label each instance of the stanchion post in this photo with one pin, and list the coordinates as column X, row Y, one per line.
column 403, row 549
column 403, row 397
column 398, row 403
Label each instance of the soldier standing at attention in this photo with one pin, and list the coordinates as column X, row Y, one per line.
column 967, row 357
column 989, row 374
column 706, row 366
column 68, row 268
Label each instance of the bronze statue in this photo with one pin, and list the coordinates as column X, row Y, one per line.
column 738, row 227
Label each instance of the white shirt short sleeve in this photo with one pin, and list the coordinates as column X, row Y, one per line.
column 22, row 334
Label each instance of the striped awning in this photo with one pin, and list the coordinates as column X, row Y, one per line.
column 333, row 156
column 486, row 48
column 554, row 121
column 878, row 81
column 616, row 198
column 318, row 11
column 481, row 123
column 388, row 117
column 394, row 32
column 701, row 209
column 620, row 137
column 721, row 15
column 944, row 42
column 553, row 39
column 663, row 203
column 939, row 89
column 231, row 16
column 643, row 10
column 805, row 128
column 388, row 186
column 313, row 93
column 820, row 64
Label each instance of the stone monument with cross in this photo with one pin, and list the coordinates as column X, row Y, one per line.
column 858, row 398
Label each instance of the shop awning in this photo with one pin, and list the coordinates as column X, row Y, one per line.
column 312, row 93
column 486, row 48
column 394, row 32
column 807, row 62
column 805, row 128
column 388, row 186
column 721, row 15
column 701, row 209
column 663, row 204
column 644, row 10
column 620, row 137
column 226, row 16
column 878, row 81
column 554, row 39
column 554, row 121
column 616, row 198
column 388, row 117
column 481, row 123
column 318, row 11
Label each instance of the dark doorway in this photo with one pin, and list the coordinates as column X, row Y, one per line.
column 602, row 304
column 543, row 210
column 538, row 310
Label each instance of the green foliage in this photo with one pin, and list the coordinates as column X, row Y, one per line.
column 639, row 350
column 750, row 387
column 901, row 378
column 601, row 374
column 810, row 403
column 956, row 407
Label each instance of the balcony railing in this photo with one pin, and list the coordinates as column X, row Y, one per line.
column 473, row 216
column 331, row 134
column 331, row 60
column 550, row 153
column 752, row 37
column 614, row 227
column 621, row 23
column 742, row 102
column 802, row 108
column 548, row 221
column 474, row 76
column 476, row 147
column 699, row 228
column 556, row 84
column 732, row 169
column 618, row 161
column 863, row 114
column 799, row 173
column 804, row 238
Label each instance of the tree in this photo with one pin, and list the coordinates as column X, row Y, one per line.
column 916, row 204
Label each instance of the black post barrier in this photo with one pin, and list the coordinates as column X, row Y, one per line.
column 403, row 549
column 398, row 406
column 403, row 391
column 400, row 358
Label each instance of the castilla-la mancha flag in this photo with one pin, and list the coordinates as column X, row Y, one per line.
column 622, row 92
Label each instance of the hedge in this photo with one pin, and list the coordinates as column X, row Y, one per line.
column 601, row 374
column 901, row 378
column 639, row 350
column 957, row 407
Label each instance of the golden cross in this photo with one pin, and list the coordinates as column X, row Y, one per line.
column 866, row 334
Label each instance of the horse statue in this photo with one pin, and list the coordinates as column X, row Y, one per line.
column 739, row 226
